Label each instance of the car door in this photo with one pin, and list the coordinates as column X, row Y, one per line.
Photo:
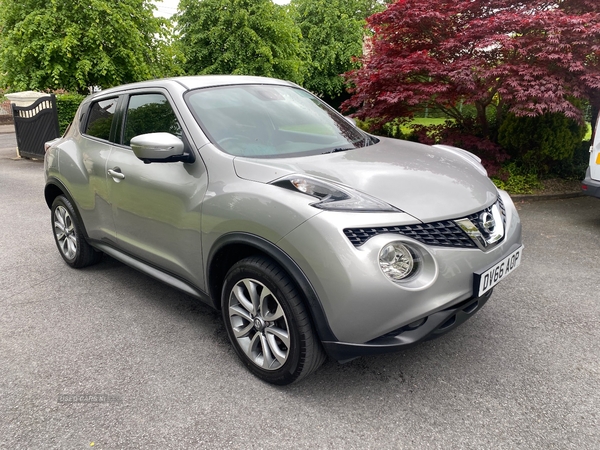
column 84, row 165
column 157, row 206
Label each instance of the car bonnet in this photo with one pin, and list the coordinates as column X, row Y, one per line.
column 426, row 182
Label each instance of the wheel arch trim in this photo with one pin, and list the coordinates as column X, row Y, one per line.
column 315, row 308
column 53, row 183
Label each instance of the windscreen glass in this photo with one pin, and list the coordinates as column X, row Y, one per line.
column 272, row 121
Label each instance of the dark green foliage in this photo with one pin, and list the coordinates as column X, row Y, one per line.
column 100, row 127
column 151, row 118
column 391, row 129
column 541, row 141
column 516, row 179
column 67, row 105
column 73, row 45
column 242, row 37
column 394, row 130
column 573, row 168
column 523, row 174
column 333, row 32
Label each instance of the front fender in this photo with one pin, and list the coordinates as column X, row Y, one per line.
column 245, row 244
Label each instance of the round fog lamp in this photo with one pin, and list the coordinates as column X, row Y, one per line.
column 397, row 261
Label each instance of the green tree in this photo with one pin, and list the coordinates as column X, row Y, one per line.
column 333, row 32
column 244, row 37
column 75, row 44
column 170, row 58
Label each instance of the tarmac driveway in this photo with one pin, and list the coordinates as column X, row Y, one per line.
column 108, row 358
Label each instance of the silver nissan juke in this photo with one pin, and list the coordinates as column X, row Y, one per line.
column 312, row 237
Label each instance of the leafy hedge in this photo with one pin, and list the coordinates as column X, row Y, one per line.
column 543, row 142
column 67, row 105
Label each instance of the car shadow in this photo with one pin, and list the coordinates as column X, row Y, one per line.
column 374, row 375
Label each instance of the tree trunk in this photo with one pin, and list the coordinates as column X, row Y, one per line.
column 482, row 119
column 500, row 113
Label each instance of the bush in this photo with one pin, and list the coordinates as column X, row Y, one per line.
column 516, row 179
column 539, row 142
column 391, row 129
column 573, row 168
column 67, row 105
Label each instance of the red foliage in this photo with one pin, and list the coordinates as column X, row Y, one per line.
column 529, row 57
column 491, row 154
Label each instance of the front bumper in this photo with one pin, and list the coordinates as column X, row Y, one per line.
column 360, row 304
column 427, row 328
column 590, row 187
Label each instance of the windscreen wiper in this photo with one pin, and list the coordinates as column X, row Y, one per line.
column 339, row 149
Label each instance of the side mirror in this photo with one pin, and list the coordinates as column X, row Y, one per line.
column 352, row 120
column 159, row 147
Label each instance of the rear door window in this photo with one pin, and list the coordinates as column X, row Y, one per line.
column 100, row 118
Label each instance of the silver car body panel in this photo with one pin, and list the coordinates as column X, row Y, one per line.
column 157, row 212
column 81, row 168
column 427, row 182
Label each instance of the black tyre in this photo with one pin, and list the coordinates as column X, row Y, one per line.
column 267, row 322
column 68, row 235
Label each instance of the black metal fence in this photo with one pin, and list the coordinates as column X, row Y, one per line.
column 34, row 125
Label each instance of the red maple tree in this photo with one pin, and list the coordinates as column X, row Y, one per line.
column 528, row 57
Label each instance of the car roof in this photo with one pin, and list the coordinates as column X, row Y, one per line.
column 198, row 81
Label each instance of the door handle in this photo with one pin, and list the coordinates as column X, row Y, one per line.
column 116, row 173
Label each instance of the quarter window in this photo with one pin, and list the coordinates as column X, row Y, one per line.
column 150, row 113
column 100, row 118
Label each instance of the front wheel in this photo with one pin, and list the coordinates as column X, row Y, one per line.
column 68, row 235
column 267, row 322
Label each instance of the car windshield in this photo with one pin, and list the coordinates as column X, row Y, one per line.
column 272, row 121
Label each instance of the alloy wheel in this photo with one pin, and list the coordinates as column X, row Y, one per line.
column 64, row 230
column 259, row 324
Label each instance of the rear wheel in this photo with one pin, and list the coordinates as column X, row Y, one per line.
column 267, row 322
column 68, row 235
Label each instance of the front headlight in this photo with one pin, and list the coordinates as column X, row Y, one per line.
column 333, row 196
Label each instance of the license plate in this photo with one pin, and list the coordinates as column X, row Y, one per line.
column 487, row 279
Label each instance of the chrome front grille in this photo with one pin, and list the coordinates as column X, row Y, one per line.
column 445, row 233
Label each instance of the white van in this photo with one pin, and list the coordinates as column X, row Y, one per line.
column 591, row 183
